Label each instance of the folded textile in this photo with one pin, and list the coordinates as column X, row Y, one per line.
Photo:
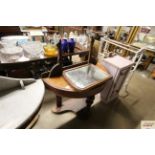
column 7, row 83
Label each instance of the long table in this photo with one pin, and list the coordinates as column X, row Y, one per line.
column 24, row 63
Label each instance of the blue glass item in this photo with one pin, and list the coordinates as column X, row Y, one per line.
column 71, row 45
column 21, row 42
column 64, row 45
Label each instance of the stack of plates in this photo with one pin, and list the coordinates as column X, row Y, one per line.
column 10, row 54
column 11, row 41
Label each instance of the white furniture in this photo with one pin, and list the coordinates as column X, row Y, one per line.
column 18, row 106
column 118, row 67
column 135, row 56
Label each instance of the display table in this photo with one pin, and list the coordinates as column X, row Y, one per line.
column 61, row 88
column 79, row 50
column 25, row 63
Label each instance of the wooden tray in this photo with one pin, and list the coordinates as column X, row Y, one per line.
column 82, row 79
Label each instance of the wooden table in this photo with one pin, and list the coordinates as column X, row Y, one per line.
column 61, row 88
column 26, row 63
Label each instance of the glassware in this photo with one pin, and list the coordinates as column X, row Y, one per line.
column 50, row 50
column 71, row 35
column 10, row 54
column 64, row 45
column 56, row 38
column 65, row 35
column 32, row 49
column 71, row 45
column 11, row 41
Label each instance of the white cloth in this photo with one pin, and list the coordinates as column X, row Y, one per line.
column 18, row 106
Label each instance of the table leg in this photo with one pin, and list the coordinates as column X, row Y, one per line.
column 58, row 101
column 57, row 108
column 74, row 105
column 89, row 101
column 85, row 112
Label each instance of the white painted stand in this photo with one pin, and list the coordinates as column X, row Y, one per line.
column 136, row 59
column 119, row 68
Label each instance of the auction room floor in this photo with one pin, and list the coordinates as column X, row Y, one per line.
column 126, row 112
